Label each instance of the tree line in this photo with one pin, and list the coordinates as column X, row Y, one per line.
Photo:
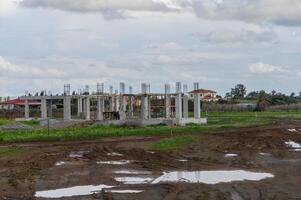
column 261, row 98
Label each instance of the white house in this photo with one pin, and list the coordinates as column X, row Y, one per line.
column 206, row 95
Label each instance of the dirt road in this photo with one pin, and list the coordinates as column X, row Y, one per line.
column 125, row 167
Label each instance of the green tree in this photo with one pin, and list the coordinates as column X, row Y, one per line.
column 239, row 91
column 263, row 101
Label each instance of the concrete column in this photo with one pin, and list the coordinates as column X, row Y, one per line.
column 87, row 105
column 144, row 107
column 100, row 108
column 117, row 104
column 197, row 106
column 79, row 106
column 43, row 109
column 122, row 111
column 67, row 108
column 131, row 106
column 185, row 106
column 167, row 106
column 149, row 108
column 26, row 109
column 84, row 105
column 112, row 103
column 49, row 109
column 179, row 106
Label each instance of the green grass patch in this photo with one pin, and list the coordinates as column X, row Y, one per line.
column 4, row 121
column 216, row 120
column 32, row 122
column 173, row 143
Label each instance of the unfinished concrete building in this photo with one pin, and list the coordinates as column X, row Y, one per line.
column 144, row 108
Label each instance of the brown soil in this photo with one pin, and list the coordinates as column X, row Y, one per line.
column 32, row 167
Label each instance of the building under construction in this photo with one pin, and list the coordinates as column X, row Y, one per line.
column 144, row 108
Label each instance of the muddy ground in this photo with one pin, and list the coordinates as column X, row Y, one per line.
column 40, row 166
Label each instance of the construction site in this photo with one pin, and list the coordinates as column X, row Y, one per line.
column 119, row 108
column 120, row 145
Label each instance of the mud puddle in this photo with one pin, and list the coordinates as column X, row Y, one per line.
column 132, row 172
column 124, row 191
column 229, row 155
column 211, row 177
column 71, row 191
column 295, row 146
column 115, row 162
column 78, row 154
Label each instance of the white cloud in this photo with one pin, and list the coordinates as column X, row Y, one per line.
column 262, row 68
column 11, row 70
column 110, row 9
column 247, row 35
column 284, row 12
column 7, row 6
column 164, row 46
column 191, row 58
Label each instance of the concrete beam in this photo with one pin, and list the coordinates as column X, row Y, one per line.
column 185, row 106
column 100, row 108
column 43, row 109
column 179, row 112
column 67, row 108
column 26, row 109
column 197, row 106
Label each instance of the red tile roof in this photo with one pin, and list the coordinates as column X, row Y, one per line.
column 201, row 91
column 20, row 102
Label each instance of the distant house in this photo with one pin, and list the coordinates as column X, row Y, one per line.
column 18, row 103
column 206, row 95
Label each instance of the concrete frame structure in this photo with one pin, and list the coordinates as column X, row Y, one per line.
column 100, row 108
column 174, row 106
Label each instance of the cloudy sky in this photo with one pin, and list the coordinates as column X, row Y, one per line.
column 45, row 44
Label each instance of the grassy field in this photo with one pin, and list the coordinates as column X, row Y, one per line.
column 276, row 114
column 216, row 120
column 4, row 121
column 173, row 143
column 32, row 122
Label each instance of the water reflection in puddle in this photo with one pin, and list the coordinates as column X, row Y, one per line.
column 228, row 155
column 72, row 191
column 134, row 180
column 183, row 160
column 264, row 154
column 60, row 163
column 292, row 130
column 115, row 162
column 134, row 172
column 294, row 145
column 114, row 154
column 211, row 177
column 78, row 154
column 125, row 191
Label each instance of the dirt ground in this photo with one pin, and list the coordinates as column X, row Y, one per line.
column 40, row 166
